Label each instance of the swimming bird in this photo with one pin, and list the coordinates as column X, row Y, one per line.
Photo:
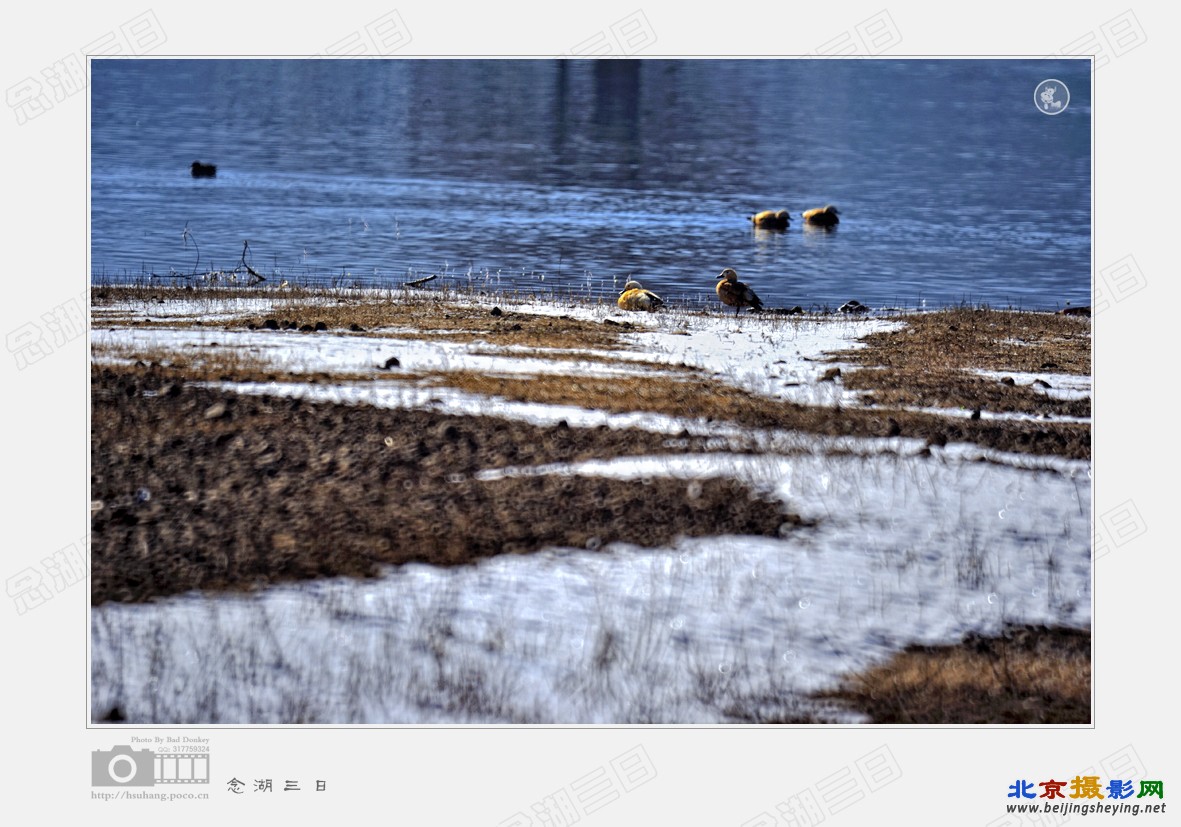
column 635, row 297
column 201, row 170
column 825, row 216
column 770, row 219
column 736, row 294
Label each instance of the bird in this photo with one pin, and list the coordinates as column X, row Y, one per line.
column 201, row 170
column 825, row 216
column 770, row 219
column 635, row 297
column 734, row 293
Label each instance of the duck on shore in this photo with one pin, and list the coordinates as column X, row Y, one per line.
column 635, row 297
column 735, row 293
column 771, row 219
column 201, row 170
column 825, row 216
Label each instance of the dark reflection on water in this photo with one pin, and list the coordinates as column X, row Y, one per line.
column 563, row 176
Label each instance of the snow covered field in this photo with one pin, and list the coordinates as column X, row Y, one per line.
column 910, row 545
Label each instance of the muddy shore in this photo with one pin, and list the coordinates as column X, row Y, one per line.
column 197, row 488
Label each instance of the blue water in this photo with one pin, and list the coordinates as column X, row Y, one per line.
column 570, row 176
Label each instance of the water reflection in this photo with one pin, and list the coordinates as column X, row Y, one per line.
column 952, row 185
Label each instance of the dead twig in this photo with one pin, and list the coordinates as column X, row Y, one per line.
column 255, row 276
column 419, row 282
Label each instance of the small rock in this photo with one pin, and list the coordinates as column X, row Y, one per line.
column 1008, row 380
column 1042, row 383
column 216, row 411
column 356, row 328
column 853, row 306
column 391, row 362
column 1075, row 311
column 830, row 374
column 496, row 311
column 306, row 328
column 271, row 324
column 321, row 327
column 975, row 415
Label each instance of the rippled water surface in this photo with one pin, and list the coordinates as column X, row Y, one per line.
column 570, row 176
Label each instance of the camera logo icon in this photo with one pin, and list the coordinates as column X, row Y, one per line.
column 123, row 766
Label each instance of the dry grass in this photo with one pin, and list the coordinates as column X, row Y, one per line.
column 406, row 314
column 196, row 488
column 1028, row 675
column 927, row 364
column 213, row 362
column 895, row 387
column 962, row 339
column 224, row 363
column 690, row 396
column 930, row 362
column 283, row 490
column 425, row 320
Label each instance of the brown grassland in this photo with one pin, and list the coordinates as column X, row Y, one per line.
column 243, row 491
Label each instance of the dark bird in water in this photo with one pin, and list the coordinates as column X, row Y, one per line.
column 771, row 220
column 201, row 170
column 635, row 297
column 734, row 293
column 822, row 216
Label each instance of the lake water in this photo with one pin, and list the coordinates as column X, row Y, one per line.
column 570, row 176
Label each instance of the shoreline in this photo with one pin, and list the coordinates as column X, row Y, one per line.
column 274, row 479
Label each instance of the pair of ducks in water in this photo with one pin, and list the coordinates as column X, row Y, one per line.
column 731, row 291
column 826, row 216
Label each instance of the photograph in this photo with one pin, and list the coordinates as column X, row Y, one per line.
column 535, row 416
column 590, row 391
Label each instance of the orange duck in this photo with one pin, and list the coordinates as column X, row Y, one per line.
column 735, row 293
column 825, row 216
column 635, row 297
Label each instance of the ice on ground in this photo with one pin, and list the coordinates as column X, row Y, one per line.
column 908, row 546
column 783, row 358
column 905, row 550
